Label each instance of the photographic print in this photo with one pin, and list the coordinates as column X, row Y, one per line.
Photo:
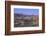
column 24, row 18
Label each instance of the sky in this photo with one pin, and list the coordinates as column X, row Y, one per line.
column 26, row 11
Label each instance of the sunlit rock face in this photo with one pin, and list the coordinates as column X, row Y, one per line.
column 23, row 20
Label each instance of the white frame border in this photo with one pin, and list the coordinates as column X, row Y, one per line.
column 25, row 28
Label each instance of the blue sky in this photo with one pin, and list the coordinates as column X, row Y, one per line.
column 26, row 11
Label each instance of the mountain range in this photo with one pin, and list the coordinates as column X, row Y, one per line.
column 24, row 15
